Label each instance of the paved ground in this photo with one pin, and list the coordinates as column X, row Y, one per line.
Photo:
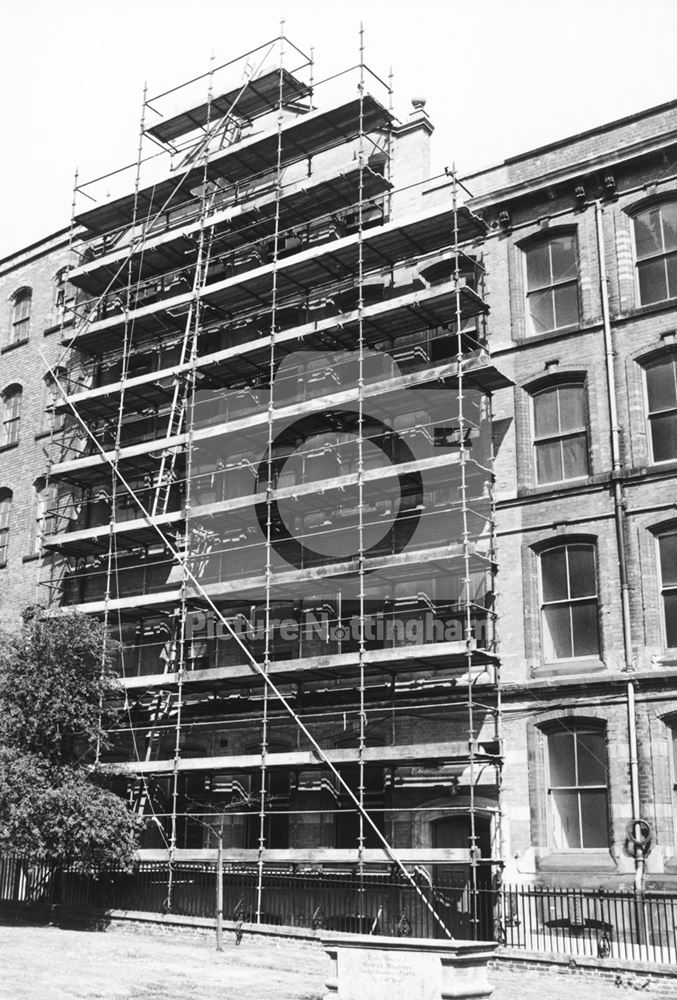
column 47, row 963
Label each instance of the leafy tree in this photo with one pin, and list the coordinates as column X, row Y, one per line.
column 57, row 686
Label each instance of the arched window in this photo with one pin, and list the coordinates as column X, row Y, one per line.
column 577, row 786
column 661, row 395
column 560, row 432
column 670, row 723
column 11, row 414
column 5, row 508
column 50, row 420
column 43, row 521
column 569, row 605
column 20, row 319
column 62, row 297
column 551, row 267
column 656, row 252
column 667, row 556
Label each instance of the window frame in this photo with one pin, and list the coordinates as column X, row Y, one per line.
column 664, row 532
column 551, row 386
column 569, row 602
column 7, row 497
column 574, row 727
column 533, row 243
column 23, row 323
column 646, row 364
column 63, row 297
column 670, row 723
column 50, row 421
column 11, row 393
column 43, row 507
column 634, row 216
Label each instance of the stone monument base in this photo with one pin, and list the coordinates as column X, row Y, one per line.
column 393, row 968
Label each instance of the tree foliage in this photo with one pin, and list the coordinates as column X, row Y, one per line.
column 57, row 686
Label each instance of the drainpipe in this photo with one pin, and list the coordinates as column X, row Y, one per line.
column 619, row 518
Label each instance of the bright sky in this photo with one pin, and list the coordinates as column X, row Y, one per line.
column 500, row 76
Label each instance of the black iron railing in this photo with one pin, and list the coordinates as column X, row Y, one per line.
column 375, row 904
column 599, row 924
column 616, row 924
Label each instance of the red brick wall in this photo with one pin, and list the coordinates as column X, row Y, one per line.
column 20, row 466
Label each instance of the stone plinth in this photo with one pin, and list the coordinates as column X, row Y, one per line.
column 390, row 968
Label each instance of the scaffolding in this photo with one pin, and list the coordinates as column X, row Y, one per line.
column 272, row 479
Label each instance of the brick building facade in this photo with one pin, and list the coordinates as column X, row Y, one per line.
column 581, row 257
column 35, row 308
column 579, row 282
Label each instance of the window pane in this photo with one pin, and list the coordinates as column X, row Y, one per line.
column 591, row 755
column 671, row 266
column 557, row 632
column 664, row 437
column 572, row 407
column 561, row 760
column 668, row 553
column 661, row 385
column 575, row 456
column 566, row 306
column 594, row 818
column 670, row 614
column 582, row 570
column 546, row 420
column 669, row 215
column 549, row 462
column 578, row 813
column 541, row 311
column 648, row 233
column 11, row 432
column 585, row 629
column 538, row 267
column 565, row 824
column 4, row 527
column 554, row 575
column 652, row 282
column 563, row 258
column 22, row 308
column 13, row 406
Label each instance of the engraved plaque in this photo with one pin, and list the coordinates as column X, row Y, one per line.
column 366, row 974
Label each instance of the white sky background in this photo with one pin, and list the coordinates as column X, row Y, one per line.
column 499, row 77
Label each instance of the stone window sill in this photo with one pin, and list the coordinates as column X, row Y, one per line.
column 49, row 330
column 591, row 664
column 545, row 489
column 577, row 861
column 8, row 447
column 668, row 658
column 669, row 465
column 517, row 343
column 12, row 347
column 537, row 338
column 650, row 308
column 31, row 558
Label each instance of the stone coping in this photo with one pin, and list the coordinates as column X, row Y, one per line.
column 333, row 939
